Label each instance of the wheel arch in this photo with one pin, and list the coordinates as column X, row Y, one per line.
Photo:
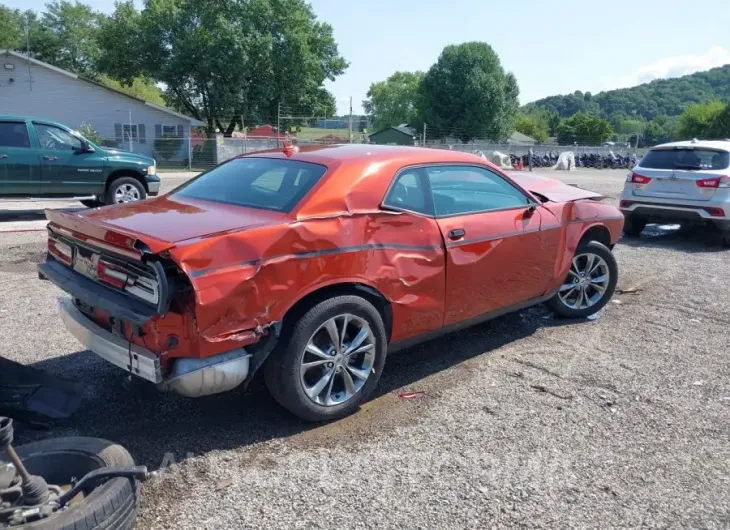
column 597, row 232
column 119, row 173
column 369, row 293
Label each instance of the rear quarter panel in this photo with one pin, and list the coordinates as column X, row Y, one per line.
column 250, row 279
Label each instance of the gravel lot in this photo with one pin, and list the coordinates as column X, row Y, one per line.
column 526, row 421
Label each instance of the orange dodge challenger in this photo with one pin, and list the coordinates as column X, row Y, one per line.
column 312, row 264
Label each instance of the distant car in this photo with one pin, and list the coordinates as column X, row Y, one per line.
column 41, row 159
column 313, row 263
column 682, row 182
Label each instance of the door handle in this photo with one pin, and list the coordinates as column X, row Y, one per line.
column 456, row 233
column 3, row 156
column 50, row 158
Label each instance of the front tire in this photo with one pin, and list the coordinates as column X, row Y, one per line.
column 92, row 203
column 590, row 283
column 124, row 190
column 329, row 362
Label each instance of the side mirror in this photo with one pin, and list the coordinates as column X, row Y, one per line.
column 85, row 147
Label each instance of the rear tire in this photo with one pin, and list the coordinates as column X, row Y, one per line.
column 124, row 190
column 634, row 226
column 111, row 506
column 725, row 238
column 284, row 371
column 566, row 304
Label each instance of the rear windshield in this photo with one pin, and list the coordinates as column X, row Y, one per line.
column 266, row 183
column 685, row 159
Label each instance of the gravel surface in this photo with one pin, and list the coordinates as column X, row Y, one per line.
column 526, row 421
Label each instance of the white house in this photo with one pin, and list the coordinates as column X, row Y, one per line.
column 29, row 87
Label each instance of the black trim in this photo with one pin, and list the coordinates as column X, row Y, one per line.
column 318, row 253
column 94, row 294
column 412, row 341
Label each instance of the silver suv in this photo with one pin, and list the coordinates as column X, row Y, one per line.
column 684, row 182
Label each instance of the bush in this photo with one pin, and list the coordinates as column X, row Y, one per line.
column 166, row 147
column 88, row 132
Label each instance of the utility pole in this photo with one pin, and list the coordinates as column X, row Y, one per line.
column 130, row 131
column 278, row 124
column 424, row 135
column 350, row 124
column 27, row 49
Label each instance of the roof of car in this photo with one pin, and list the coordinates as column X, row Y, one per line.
column 328, row 154
column 7, row 117
column 711, row 144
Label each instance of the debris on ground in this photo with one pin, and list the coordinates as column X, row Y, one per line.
column 411, row 395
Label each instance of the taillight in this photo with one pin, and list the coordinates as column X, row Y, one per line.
column 639, row 179
column 60, row 251
column 715, row 182
column 715, row 212
column 109, row 274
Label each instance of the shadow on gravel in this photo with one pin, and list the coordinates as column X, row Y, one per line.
column 690, row 239
column 152, row 424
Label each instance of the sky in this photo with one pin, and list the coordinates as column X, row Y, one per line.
column 554, row 47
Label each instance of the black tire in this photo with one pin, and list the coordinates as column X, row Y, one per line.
column 92, row 203
column 282, row 367
column 599, row 249
column 111, row 506
column 725, row 238
column 124, row 181
column 633, row 226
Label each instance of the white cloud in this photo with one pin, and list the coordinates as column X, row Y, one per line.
column 676, row 66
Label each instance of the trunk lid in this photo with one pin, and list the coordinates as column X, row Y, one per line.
column 158, row 224
column 678, row 172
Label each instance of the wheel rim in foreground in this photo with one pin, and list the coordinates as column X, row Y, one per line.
column 337, row 360
column 586, row 283
column 126, row 193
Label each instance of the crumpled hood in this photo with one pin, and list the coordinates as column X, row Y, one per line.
column 552, row 189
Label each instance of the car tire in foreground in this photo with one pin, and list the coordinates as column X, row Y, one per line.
column 329, row 361
column 110, row 506
column 634, row 226
column 590, row 283
column 125, row 189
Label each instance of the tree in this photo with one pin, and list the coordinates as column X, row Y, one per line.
column 584, row 129
column 140, row 87
column 697, row 120
column 226, row 61
column 532, row 125
column 12, row 36
column 660, row 130
column 720, row 127
column 66, row 36
column 467, row 94
column 394, row 101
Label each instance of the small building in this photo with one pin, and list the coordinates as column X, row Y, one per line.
column 517, row 138
column 398, row 135
column 29, row 87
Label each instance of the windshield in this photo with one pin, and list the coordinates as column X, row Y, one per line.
column 266, row 183
column 685, row 158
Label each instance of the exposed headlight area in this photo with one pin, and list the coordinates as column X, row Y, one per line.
column 152, row 170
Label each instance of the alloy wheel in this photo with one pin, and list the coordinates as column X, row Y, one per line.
column 586, row 283
column 338, row 360
column 126, row 193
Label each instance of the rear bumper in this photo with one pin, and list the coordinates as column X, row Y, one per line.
column 665, row 212
column 110, row 347
column 191, row 377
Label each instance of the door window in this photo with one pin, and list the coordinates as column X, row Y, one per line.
column 462, row 190
column 56, row 139
column 408, row 193
column 14, row 134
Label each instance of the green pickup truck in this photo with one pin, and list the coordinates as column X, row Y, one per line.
column 44, row 159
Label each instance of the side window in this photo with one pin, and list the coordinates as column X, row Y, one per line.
column 14, row 134
column 57, row 139
column 408, row 193
column 460, row 190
